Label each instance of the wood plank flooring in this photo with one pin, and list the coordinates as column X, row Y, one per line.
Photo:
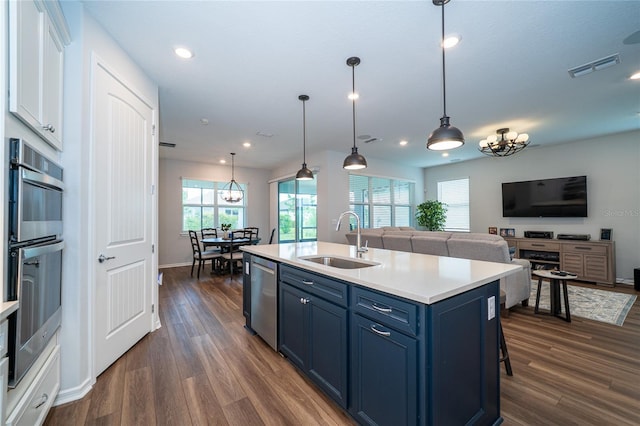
column 203, row 368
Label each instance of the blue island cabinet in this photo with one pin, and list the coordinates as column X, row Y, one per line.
column 393, row 361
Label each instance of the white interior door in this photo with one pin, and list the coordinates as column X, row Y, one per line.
column 122, row 128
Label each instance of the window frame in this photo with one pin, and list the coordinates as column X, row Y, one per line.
column 368, row 206
column 217, row 204
column 465, row 206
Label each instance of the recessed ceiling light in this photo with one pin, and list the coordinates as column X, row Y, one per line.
column 445, row 154
column 204, row 121
column 450, row 41
column 183, row 53
column 635, row 76
column 353, row 96
column 403, row 143
column 246, row 144
column 223, row 161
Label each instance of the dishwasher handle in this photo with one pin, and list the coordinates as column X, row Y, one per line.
column 264, row 269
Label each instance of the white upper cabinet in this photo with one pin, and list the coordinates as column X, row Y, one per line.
column 36, row 61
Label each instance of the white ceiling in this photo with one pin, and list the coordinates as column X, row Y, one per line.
column 253, row 59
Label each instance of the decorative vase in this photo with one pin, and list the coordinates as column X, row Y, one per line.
column 225, row 235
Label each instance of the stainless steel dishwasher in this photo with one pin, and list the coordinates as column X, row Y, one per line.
column 264, row 299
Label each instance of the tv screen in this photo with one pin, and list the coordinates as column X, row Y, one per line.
column 559, row 197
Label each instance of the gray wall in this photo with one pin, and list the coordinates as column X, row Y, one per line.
column 174, row 247
column 612, row 167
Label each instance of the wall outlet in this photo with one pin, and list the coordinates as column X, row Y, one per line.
column 491, row 308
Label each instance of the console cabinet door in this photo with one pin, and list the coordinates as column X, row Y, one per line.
column 293, row 325
column 384, row 374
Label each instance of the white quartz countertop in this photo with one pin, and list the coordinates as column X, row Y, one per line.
column 419, row 277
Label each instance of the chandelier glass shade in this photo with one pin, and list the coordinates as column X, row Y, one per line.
column 304, row 173
column 354, row 161
column 504, row 143
column 232, row 192
column 446, row 136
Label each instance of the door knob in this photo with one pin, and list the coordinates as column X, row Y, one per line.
column 102, row 258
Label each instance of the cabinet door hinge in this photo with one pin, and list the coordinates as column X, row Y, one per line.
column 153, row 308
column 153, row 248
column 153, row 129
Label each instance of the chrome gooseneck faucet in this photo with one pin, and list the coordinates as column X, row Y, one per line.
column 359, row 248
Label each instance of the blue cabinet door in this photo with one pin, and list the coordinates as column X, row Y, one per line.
column 384, row 374
column 465, row 366
column 293, row 324
column 313, row 335
column 328, row 348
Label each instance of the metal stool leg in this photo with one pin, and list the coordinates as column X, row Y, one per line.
column 505, row 353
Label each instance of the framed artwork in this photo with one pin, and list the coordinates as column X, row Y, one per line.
column 507, row 232
column 605, row 234
column 493, row 230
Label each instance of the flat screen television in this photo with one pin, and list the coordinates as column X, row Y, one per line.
column 558, row 197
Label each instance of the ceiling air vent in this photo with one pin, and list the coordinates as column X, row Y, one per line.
column 597, row 65
column 167, row 144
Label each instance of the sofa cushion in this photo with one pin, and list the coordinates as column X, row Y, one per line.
column 394, row 241
column 490, row 251
column 475, row 236
column 430, row 244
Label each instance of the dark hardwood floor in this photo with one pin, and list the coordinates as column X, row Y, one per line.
column 202, row 367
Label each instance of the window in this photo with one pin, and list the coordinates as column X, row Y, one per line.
column 203, row 208
column 455, row 194
column 381, row 201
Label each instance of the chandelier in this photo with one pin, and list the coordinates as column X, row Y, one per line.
column 446, row 136
column 232, row 192
column 508, row 143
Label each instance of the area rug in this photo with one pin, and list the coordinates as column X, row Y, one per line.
column 590, row 303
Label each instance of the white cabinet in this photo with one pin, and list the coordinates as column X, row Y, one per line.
column 38, row 399
column 36, row 69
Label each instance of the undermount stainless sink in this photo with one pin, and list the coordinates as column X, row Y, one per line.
column 340, row 262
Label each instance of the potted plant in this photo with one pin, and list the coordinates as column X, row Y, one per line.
column 432, row 214
column 225, row 229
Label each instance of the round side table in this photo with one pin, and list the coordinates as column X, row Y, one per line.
column 555, row 282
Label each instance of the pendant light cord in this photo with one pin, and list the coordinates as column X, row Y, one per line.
column 304, row 133
column 444, row 86
column 353, row 101
column 233, row 179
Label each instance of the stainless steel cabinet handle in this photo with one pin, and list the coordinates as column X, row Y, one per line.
column 380, row 309
column 102, row 258
column 304, row 301
column 35, row 263
column 50, row 128
column 307, row 282
column 382, row 333
column 43, row 400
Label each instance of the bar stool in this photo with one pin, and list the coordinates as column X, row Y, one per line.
column 503, row 342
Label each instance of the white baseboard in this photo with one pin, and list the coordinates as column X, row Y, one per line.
column 174, row 265
column 626, row 281
column 73, row 394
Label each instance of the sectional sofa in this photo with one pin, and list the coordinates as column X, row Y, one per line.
column 466, row 245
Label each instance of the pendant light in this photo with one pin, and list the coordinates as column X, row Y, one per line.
column 446, row 136
column 354, row 161
column 304, row 173
column 232, row 192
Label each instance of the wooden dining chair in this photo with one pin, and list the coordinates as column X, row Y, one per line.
column 254, row 230
column 232, row 257
column 208, row 233
column 201, row 256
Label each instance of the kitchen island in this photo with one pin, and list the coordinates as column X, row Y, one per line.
column 392, row 337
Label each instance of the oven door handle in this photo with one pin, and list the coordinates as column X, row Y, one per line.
column 30, row 252
column 42, row 180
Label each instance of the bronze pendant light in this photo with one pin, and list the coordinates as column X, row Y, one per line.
column 354, row 161
column 232, row 192
column 446, row 136
column 304, row 173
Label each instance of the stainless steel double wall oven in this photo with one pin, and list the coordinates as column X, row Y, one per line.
column 35, row 254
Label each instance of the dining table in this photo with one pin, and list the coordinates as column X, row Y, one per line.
column 227, row 245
